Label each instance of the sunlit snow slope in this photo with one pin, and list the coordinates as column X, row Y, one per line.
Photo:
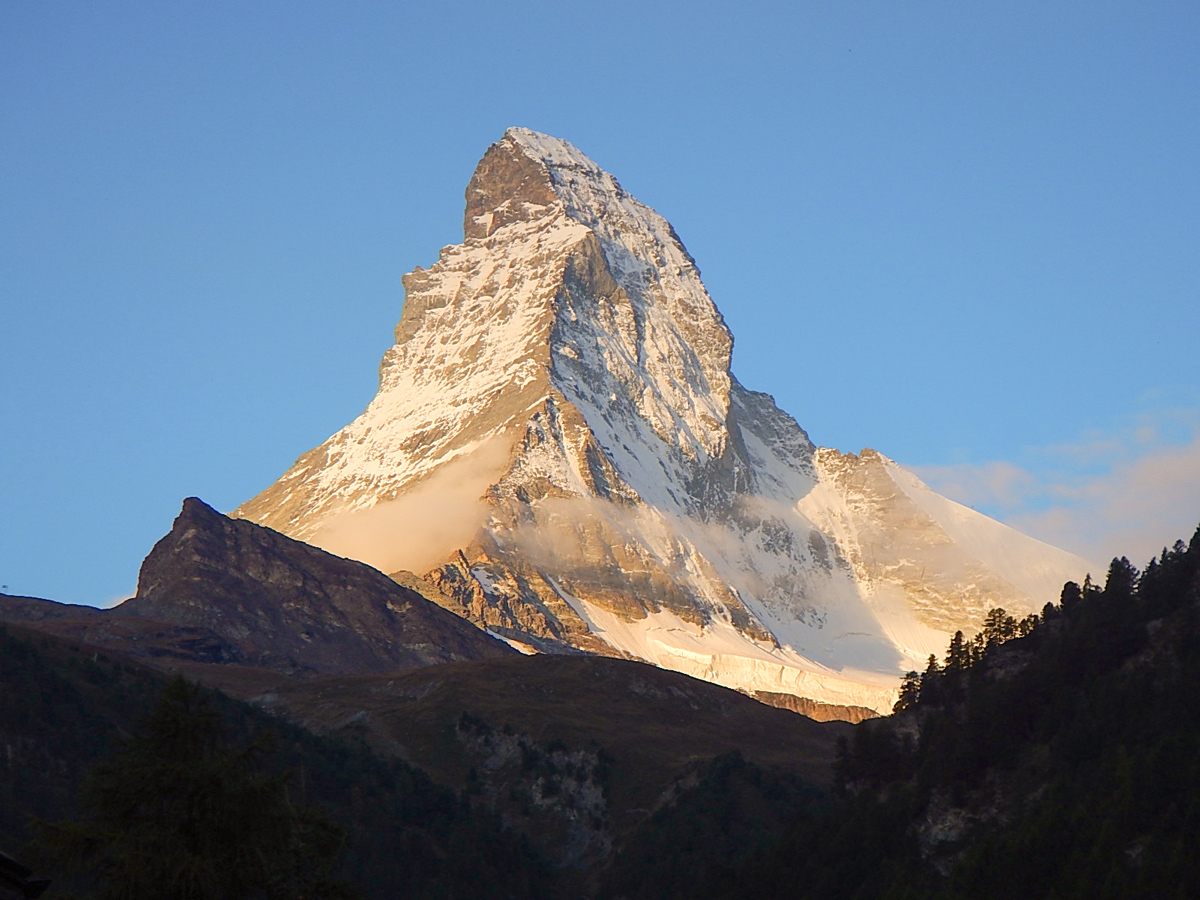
column 559, row 445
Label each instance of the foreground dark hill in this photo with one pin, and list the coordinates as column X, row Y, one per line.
column 65, row 706
column 657, row 720
column 572, row 756
column 576, row 751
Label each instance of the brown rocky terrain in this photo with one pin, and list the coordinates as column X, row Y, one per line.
column 222, row 592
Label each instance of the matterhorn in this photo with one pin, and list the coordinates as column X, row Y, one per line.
column 559, row 452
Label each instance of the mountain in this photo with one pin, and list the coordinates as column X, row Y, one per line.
column 294, row 603
column 574, row 752
column 239, row 604
column 545, row 767
column 559, row 448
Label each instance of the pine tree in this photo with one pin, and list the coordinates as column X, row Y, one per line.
column 1071, row 594
column 958, row 655
column 910, row 692
column 1027, row 625
column 1089, row 589
column 999, row 626
column 1121, row 581
column 932, row 691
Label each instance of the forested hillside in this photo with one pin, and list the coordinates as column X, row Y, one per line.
column 65, row 707
column 1056, row 756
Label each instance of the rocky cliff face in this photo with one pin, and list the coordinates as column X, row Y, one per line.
column 277, row 603
column 559, row 446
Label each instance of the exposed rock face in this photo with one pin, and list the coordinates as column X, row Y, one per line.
column 821, row 712
column 292, row 607
column 560, row 393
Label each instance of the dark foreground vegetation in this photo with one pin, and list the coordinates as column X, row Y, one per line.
column 216, row 799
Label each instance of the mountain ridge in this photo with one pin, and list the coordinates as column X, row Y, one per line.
column 252, row 603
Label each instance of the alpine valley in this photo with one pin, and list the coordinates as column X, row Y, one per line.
column 494, row 639
column 559, row 452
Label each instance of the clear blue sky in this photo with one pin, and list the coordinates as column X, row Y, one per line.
column 964, row 234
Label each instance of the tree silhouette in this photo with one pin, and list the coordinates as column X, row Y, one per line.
column 999, row 626
column 1121, row 581
column 958, row 654
column 178, row 814
column 910, row 692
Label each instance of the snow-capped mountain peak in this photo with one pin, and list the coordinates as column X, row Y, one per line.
column 559, row 446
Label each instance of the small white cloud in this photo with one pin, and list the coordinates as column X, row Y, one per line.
column 994, row 484
column 1124, row 494
column 1134, row 510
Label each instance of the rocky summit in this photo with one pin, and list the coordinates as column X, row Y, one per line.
column 289, row 607
column 560, row 452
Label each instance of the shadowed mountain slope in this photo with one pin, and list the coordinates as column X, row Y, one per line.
column 575, row 752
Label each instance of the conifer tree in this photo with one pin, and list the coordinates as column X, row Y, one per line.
column 958, row 655
column 1122, row 579
column 1089, row 589
column 999, row 626
column 910, row 692
column 1072, row 594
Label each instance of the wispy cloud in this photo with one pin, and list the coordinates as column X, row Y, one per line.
column 1126, row 493
column 992, row 485
column 424, row 526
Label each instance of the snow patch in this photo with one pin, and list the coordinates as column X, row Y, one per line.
column 719, row 653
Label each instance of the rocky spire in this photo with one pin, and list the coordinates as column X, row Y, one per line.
column 509, row 185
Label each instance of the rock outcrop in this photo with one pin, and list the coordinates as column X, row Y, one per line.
column 269, row 601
